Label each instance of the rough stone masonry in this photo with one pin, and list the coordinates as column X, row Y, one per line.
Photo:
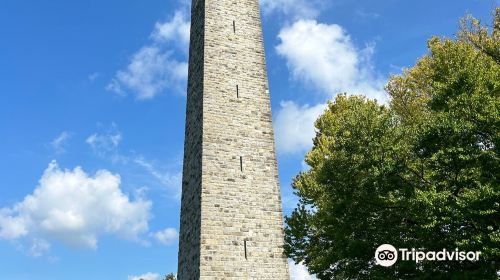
column 231, row 216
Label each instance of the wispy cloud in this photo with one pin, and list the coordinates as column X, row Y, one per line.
column 171, row 180
column 175, row 30
column 105, row 143
column 293, row 8
column 367, row 15
column 38, row 247
column 160, row 65
column 94, row 76
column 167, row 236
column 59, row 143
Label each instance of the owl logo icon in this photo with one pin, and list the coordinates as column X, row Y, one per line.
column 386, row 255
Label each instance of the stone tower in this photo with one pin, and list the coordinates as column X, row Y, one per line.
column 231, row 217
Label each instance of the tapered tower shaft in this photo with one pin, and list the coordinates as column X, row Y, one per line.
column 231, row 216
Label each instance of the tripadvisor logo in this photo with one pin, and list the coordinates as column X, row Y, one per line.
column 387, row 255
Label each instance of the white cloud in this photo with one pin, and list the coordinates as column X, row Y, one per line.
column 294, row 126
column 146, row 276
column 294, row 8
column 58, row 144
column 167, row 236
column 12, row 227
column 150, row 72
column 75, row 209
column 105, row 143
column 299, row 272
column 157, row 67
column 38, row 247
column 323, row 55
column 172, row 180
column 176, row 30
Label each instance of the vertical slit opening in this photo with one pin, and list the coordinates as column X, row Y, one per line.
column 246, row 256
column 237, row 91
column 234, row 26
column 241, row 163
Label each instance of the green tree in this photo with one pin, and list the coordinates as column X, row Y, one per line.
column 170, row 276
column 423, row 172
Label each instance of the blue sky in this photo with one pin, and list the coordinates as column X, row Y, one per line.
column 92, row 108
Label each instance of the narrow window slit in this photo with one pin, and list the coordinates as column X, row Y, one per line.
column 237, row 91
column 246, row 256
column 241, row 163
column 234, row 26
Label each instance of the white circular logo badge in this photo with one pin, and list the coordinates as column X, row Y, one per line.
column 386, row 255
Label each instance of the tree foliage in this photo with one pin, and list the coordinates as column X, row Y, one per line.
column 170, row 276
column 423, row 172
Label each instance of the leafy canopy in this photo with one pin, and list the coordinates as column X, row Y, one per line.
column 423, row 172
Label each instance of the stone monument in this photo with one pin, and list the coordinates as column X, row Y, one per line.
column 231, row 216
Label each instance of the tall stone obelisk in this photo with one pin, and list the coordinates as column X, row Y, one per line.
column 231, row 216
